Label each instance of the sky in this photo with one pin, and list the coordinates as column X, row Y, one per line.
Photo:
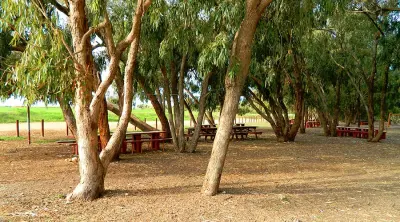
column 20, row 102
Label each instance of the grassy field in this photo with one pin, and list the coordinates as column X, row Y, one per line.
column 54, row 114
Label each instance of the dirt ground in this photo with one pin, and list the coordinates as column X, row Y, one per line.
column 314, row 179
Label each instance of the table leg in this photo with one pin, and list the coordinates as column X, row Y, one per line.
column 123, row 146
column 137, row 145
column 155, row 144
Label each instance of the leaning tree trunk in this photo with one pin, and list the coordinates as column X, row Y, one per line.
column 155, row 102
column 68, row 114
column 202, row 108
column 234, row 82
column 133, row 119
column 192, row 119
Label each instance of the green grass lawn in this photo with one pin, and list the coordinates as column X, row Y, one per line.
column 10, row 138
column 54, row 114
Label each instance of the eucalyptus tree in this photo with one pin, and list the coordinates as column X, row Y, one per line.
column 324, row 81
column 279, row 66
column 89, row 93
column 30, row 38
column 239, row 62
column 363, row 33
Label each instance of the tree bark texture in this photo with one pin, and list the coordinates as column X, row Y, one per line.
column 68, row 114
column 91, row 171
column 92, row 166
column 234, row 82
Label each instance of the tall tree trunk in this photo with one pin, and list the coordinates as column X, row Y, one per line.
column 181, row 135
column 192, row 119
column 167, row 91
column 234, row 82
column 68, row 115
column 299, row 96
column 91, row 171
column 93, row 167
column 175, row 99
column 202, row 108
column 371, row 85
column 383, row 105
column 210, row 117
column 324, row 123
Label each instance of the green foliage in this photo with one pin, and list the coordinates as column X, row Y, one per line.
column 43, row 70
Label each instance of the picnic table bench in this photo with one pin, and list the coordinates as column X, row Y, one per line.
column 135, row 140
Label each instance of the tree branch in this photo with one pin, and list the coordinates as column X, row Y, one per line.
column 86, row 36
column 60, row 7
column 263, row 4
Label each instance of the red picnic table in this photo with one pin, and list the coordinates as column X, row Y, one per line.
column 312, row 124
column 136, row 140
column 356, row 132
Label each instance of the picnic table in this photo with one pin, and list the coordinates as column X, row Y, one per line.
column 356, row 132
column 136, row 140
column 237, row 131
column 243, row 131
column 208, row 131
column 313, row 124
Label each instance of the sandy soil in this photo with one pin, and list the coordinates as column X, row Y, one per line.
column 314, row 179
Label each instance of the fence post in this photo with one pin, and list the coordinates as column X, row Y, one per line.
column 156, row 123
column 17, row 124
column 29, row 123
column 144, row 119
column 67, row 128
column 42, row 127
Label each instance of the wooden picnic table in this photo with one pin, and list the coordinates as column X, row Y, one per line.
column 208, row 131
column 237, row 131
column 312, row 124
column 137, row 140
column 356, row 132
